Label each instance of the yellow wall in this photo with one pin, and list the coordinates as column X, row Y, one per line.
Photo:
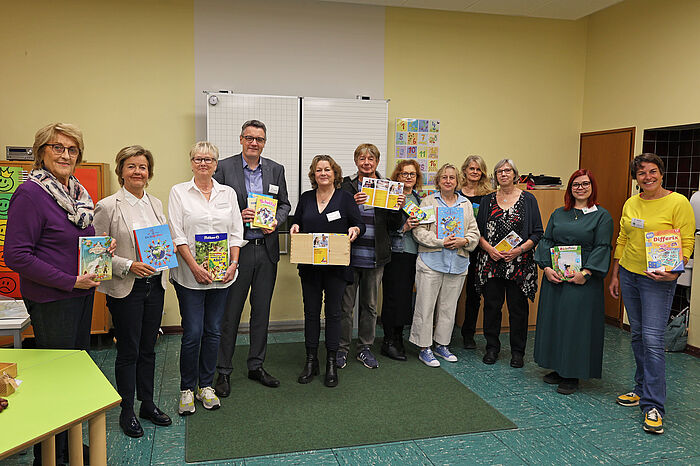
column 122, row 71
column 501, row 86
column 642, row 70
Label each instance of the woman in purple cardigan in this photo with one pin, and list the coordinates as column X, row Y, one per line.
column 47, row 215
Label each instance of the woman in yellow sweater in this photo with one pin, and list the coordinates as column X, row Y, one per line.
column 648, row 295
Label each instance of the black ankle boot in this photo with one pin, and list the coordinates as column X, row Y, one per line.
column 310, row 366
column 398, row 341
column 331, row 371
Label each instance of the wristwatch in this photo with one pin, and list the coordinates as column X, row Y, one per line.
column 586, row 275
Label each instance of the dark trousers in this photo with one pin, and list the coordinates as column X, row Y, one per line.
column 136, row 318
column 397, row 288
column 62, row 324
column 315, row 281
column 473, row 300
column 494, row 292
column 202, row 311
column 257, row 274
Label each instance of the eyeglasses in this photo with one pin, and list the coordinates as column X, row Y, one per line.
column 408, row 174
column 58, row 149
column 504, row 171
column 581, row 185
column 259, row 140
column 207, row 160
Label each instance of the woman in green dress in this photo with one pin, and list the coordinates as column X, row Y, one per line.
column 571, row 312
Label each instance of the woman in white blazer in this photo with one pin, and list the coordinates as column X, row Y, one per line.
column 136, row 292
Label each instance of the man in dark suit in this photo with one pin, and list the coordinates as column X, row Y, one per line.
column 246, row 173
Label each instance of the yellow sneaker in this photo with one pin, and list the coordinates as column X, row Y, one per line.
column 628, row 399
column 653, row 422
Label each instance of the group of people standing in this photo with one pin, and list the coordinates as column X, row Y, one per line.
column 389, row 247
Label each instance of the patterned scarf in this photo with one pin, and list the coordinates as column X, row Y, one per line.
column 74, row 199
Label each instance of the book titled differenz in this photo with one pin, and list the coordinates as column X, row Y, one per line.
column 155, row 247
column 211, row 252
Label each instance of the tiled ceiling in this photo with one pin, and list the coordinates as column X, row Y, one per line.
column 556, row 9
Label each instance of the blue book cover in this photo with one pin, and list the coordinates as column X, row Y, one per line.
column 155, row 247
column 450, row 221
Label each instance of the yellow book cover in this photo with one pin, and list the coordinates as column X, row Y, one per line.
column 265, row 211
column 511, row 240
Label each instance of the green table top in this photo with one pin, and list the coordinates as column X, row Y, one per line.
column 59, row 388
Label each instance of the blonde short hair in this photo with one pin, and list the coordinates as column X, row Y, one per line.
column 49, row 132
column 128, row 152
column 204, row 147
column 442, row 169
column 366, row 148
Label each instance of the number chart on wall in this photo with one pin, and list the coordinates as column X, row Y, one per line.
column 419, row 140
column 226, row 113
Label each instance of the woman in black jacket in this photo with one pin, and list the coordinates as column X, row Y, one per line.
column 507, row 272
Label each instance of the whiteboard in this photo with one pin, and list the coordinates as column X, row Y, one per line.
column 281, row 117
column 337, row 126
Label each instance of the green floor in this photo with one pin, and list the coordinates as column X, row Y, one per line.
column 584, row 428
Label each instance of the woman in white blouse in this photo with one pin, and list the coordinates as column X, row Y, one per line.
column 202, row 206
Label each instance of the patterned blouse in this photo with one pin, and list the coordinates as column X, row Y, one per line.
column 522, row 269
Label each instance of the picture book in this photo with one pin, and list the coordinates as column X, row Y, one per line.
column 10, row 178
column 421, row 215
column 321, row 241
column 155, row 247
column 511, row 240
column 252, row 202
column 566, row 261
column 265, row 210
column 664, row 251
column 211, row 252
column 382, row 193
column 450, row 221
column 93, row 256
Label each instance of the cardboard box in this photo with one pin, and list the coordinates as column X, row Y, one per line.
column 9, row 368
column 336, row 251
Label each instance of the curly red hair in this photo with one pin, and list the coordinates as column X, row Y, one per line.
column 569, row 199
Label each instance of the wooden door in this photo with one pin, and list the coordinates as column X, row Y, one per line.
column 608, row 154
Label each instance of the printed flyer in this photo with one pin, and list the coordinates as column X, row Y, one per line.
column 382, row 193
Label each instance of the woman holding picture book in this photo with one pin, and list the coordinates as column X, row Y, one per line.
column 207, row 230
column 136, row 291
column 510, row 225
column 441, row 267
column 574, row 254
column 648, row 295
column 324, row 209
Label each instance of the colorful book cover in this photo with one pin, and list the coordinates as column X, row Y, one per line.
column 368, row 188
column 566, row 261
column 511, row 240
column 424, row 214
column 209, row 249
column 265, row 211
column 10, row 178
column 320, row 248
column 94, row 258
column 155, row 247
column 664, row 251
column 450, row 221
column 381, row 193
column 252, row 202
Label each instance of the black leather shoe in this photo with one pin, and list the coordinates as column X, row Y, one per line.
column 568, row 386
column 131, row 426
column 223, row 386
column 310, row 369
column 392, row 351
column 263, row 377
column 156, row 416
column 331, row 379
column 516, row 360
column 553, row 378
column 490, row 357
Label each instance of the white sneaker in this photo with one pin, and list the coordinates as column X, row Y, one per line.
column 427, row 358
column 444, row 352
column 186, row 403
column 208, row 398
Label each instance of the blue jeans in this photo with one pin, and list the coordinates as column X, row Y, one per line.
column 202, row 312
column 648, row 305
